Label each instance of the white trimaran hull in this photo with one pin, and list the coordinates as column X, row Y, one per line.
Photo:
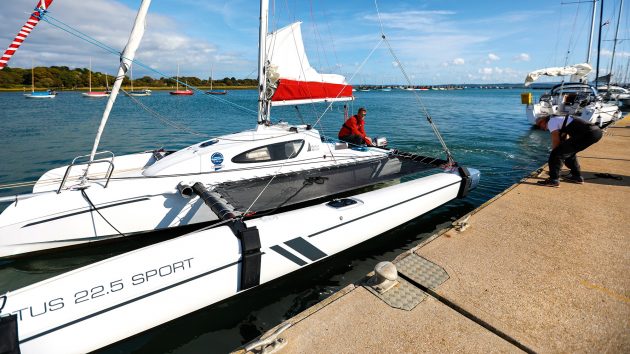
column 108, row 301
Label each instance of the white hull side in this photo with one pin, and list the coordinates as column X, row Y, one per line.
column 142, row 195
column 147, row 287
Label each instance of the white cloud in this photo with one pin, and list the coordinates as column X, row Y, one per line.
column 522, row 57
column 458, row 61
column 493, row 57
column 163, row 44
column 485, row 71
column 419, row 21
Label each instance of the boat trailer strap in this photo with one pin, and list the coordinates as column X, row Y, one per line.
column 9, row 334
column 251, row 255
column 466, row 183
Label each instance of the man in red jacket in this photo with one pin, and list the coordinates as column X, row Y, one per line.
column 353, row 130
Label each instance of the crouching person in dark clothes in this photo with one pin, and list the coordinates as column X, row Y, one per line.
column 353, row 130
column 580, row 136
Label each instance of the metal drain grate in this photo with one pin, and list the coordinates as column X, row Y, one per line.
column 403, row 296
column 422, row 271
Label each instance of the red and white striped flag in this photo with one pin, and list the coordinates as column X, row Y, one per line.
column 32, row 21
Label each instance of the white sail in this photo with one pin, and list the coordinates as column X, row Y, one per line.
column 577, row 72
column 294, row 79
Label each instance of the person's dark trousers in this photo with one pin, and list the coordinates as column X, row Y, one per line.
column 353, row 139
column 582, row 135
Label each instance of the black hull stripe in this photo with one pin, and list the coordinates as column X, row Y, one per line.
column 290, row 256
column 127, row 302
column 306, row 249
column 383, row 209
column 85, row 211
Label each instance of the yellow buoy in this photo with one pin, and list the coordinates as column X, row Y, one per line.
column 526, row 98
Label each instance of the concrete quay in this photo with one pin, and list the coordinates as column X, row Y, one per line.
column 537, row 269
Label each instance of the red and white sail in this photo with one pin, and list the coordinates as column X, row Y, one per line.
column 33, row 20
column 295, row 81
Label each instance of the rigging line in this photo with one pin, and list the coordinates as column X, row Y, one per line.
column 268, row 183
column 449, row 156
column 350, row 80
column 162, row 118
column 320, row 41
column 74, row 32
column 99, row 213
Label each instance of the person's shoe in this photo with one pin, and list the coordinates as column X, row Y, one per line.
column 573, row 179
column 549, row 182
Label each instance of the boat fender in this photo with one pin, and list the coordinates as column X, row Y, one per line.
column 251, row 255
column 214, row 202
column 466, row 183
column 9, row 343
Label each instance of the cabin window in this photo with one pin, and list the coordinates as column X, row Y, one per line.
column 273, row 152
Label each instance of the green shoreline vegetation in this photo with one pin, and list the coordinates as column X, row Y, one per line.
column 62, row 78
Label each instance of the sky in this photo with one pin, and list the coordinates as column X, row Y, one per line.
column 436, row 41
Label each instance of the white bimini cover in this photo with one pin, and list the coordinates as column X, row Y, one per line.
column 295, row 81
column 577, row 72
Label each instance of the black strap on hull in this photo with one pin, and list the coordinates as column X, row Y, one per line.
column 9, row 343
column 251, row 255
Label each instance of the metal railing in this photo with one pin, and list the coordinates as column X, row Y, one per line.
column 108, row 174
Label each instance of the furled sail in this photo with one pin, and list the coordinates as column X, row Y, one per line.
column 577, row 72
column 33, row 20
column 292, row 78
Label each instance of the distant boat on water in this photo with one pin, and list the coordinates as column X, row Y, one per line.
column 136, row 93
column 94, row 94
column 179, row 92
column 214, row 92
column 38, row 94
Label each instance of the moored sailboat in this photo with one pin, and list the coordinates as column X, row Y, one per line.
column 575, row 97
column 38, row 94
column 214, row 92
column 178, row 92
column 225, row 179
column 94, row 94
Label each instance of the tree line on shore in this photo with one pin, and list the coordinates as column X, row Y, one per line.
column 62, row 77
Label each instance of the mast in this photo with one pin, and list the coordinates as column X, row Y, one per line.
column 599, row 40
column 211, row 73
column 32, row 76
column 612, row 58
column 177, row 78
column 126, row 59
column 590, row 35
column 90, row 75
column 263, row 101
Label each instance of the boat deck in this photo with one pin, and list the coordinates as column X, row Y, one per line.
column 538, row 269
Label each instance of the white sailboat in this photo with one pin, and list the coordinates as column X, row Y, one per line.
column 92, row 199
column 136, row 93
column 576, row 97
column 190, row 272
column 214, row 92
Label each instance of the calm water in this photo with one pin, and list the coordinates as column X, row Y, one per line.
column 485, row 129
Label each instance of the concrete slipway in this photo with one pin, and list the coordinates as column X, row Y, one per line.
column 539, row 269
